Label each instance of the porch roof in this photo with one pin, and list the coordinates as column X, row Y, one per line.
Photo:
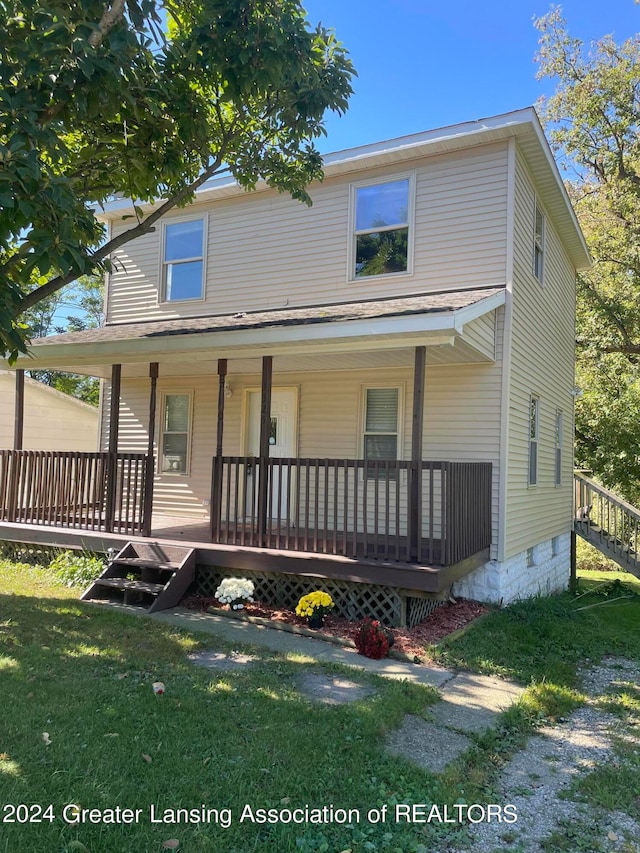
column 431, row 318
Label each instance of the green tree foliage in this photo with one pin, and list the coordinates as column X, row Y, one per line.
column 594, row 121
column 76, row 307
column 72, row 309
column 149, row 100
column 382, row 252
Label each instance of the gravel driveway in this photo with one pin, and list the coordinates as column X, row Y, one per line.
column 537, row 779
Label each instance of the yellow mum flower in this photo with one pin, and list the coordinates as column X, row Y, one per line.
column 313, row 601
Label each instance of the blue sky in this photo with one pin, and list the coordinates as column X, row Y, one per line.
column 424, row 64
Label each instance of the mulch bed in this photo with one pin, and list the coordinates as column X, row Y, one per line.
column 451, row 617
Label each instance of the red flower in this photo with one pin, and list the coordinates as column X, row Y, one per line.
column 371, row 639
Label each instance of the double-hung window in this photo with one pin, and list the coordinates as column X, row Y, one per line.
column 534, row 431
column 183, row 259
column 176, row 430
column 538, row 243
column 558, row 449
column 381, row 424
column 381, row 229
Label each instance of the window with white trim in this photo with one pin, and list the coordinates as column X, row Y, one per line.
column 381, row 423
column 534, row 431
column 381, row 229
column 183, row 260
column 538, row 242
column 175, row 433
column 558, row 449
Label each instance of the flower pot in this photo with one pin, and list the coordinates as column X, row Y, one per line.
column 316, row 621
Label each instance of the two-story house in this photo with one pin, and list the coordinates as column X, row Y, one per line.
column 376, row 390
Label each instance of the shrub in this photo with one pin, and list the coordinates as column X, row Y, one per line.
column 589, row 559
column 76, row 569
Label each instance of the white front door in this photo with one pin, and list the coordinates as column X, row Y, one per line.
column 283, row 443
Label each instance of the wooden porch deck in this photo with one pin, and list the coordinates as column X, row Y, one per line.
column 195, row 533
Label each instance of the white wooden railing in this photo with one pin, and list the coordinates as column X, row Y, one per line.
column 608, row 522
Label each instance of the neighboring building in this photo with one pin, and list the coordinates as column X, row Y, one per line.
column 414, row 331
column 52, row 420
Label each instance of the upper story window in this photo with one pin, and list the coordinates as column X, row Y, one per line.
column 538, row 243
column 534, row 432
column 183, row 259
column 381, row 229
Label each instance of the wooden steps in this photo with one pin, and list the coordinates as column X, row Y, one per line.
column 139, row 562
column 133, row 586
column 621, row 553
column 608, row 523
column 149, row 575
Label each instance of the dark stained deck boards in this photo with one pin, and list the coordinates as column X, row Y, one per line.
column 139, row 563
column 195, row 533
column 132, row 586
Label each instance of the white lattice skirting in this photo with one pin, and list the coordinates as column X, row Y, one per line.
column 353, row 601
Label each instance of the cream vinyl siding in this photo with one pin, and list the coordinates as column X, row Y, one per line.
column 462, row 420
column 52, row 420
column 542, row 366
column 481, row 334
column 462, row 416
column 266, row 251
column 174, row 494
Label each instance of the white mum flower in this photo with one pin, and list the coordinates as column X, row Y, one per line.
column 235, row 590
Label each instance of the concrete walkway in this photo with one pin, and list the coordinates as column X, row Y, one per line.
column 239, row 632
column 470, row 703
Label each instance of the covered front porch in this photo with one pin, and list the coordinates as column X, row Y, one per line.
column 255, row 498
column 347, row 516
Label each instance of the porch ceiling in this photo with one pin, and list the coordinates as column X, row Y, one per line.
column 459, row 352
column 346, row 335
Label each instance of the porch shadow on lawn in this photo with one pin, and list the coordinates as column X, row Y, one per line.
column 84, row 676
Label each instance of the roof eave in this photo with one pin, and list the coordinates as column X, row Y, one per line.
column 432, row 328
column 367, row 156
column 521, row 124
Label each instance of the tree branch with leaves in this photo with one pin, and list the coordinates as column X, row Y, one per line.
column 593, row 120
column 147, row 100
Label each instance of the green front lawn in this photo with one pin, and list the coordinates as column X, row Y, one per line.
column 80, row 723
column 83, row 675
column 544, row 640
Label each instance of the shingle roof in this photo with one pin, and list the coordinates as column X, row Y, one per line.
column 428, row 303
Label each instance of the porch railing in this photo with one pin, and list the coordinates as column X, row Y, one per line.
column 608, row 522
column 436, row 513
column 88, row 491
